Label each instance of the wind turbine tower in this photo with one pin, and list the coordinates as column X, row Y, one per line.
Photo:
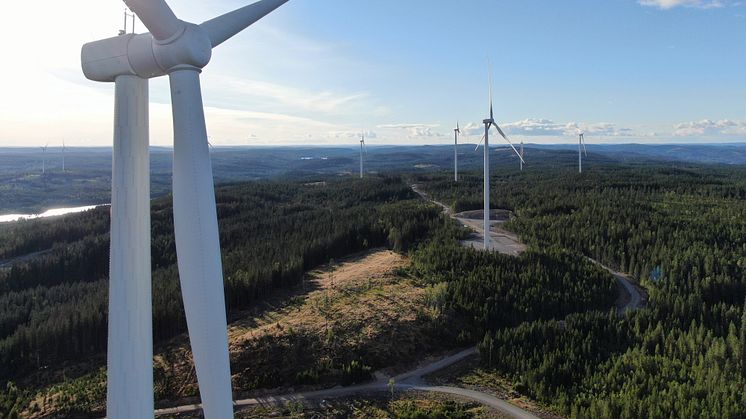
column 489, row 123
column 180, row 50
column 63, row 156
column 362, row 149
column 522, row 155
column 581, row 150
column 456, row 133
column 44, row 159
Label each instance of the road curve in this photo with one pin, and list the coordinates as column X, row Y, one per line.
column 409, row 381
column 486, row 399
column 637, row 298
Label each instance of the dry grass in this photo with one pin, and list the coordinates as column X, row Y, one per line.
column 363, row 310
column 377, row 407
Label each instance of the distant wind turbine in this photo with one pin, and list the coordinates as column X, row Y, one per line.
column 456, row 133
column 180, row 50
column 522, row 154
column 63, row 156
column 489, row 123
column 44, row 158
column 581, row 150
column 362, row 149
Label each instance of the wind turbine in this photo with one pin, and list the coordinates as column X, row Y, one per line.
column 44, row 158
column 180, row 50
column 456, row 133
column 522, row 154
column 362, row 149
column 63, row 156
column 489, row 123
column 581, row 150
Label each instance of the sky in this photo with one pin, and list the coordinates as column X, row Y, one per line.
column 320, row 72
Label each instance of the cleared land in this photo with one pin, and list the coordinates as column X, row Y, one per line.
column 379, row 406
column 345, row 321
column 501, row 240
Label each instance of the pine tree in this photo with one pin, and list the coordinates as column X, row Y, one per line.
column 742, row 341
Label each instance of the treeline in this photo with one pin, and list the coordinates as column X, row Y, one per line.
column 53, row 307
column 682, row 232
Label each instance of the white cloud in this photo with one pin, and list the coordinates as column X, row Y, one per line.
column 711, row 128
column 670, row 4
column 545, row 127
column 301, row 99
column 415, row 131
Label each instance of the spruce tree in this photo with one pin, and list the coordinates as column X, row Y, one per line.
column 742, row 341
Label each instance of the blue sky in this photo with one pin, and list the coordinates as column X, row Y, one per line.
column 318, row 72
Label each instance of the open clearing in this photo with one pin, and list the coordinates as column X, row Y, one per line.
column 501, row 240
column 339, row 325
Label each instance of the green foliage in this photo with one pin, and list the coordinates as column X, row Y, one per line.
column 445, row 410
column 742, row 342
column 495, row 291
column 53, row 306
column 683, row 233
column 12, row 401
column 355, row 372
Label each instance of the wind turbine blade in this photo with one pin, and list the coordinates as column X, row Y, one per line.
column 222, row 28
column 585, row 150
column 480, row 143
column 505, row 137
column 198, row 245
column 157, row 16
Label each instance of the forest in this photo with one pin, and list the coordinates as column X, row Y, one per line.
column 544, row 320
column 682, row 232
column 53, row 307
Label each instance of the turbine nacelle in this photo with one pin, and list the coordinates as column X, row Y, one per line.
column 172, row 44
column 144, row 56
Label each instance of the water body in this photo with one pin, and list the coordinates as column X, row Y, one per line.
column 49, row 213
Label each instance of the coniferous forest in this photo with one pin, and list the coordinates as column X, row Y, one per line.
column 544, row 320
column 682, row 233
column 53, row 307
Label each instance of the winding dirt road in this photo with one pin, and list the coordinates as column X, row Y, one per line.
column 409, row 381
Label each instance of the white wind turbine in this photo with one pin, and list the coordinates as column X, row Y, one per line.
column 44, row 159
column 522, row 154
column 362, row 149
column 63, row 156
column 456, row 133
column 489, row 123
column 581, row 150
column 180, row 50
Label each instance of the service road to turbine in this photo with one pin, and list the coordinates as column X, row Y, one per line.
column 501, row 240
column 633, row 297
